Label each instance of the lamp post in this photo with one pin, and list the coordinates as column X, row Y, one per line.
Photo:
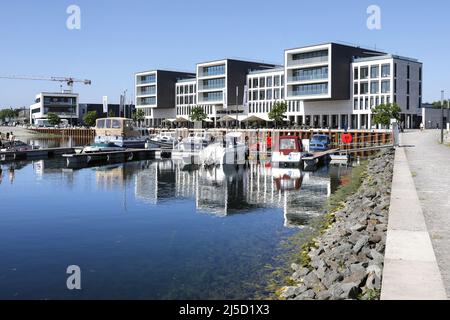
column 237, row 113
column 442, row 117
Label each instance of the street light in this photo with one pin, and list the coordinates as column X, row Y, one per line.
column 442, row 117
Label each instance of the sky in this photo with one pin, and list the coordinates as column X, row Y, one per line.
column 119, row 38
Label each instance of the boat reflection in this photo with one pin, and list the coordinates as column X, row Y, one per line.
column 219, row 191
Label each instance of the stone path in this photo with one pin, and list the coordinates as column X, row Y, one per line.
column 430, row 166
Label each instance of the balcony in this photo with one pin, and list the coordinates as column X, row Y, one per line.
column 148, row 92
column 307, row 61
column 310, row 91
column 308, row 77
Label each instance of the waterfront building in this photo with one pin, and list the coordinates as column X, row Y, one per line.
column 155, row 94
column 329, row 85
column 65, row 105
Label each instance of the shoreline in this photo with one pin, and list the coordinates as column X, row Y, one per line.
column 344, row 258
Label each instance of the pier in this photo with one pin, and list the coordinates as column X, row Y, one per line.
column 37, row 154
column 85, row 159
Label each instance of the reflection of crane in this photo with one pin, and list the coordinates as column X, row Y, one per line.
column 68, row 80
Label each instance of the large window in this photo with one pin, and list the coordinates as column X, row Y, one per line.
column 310, row 89
column 385, row 86
column 356, row 74
column 364, row 72
column 269, row 81
column 374, row 71
column 374, row 87
column 386, row 70
column 276, row 81
column 214, row 70
column 310, row 74
column 214, row 83
column 213, row 96
column 364, row 88
column 147, row 79
column 310, row 57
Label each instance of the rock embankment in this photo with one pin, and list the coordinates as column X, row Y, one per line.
column 347, row 260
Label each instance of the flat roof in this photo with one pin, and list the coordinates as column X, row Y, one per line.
column 187, row 80
column 386, row 56
column 337, row 44
column 163, row 70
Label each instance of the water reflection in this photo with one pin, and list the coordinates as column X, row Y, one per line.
column 150, row 229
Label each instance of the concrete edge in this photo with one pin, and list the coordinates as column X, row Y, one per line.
column 410, row 271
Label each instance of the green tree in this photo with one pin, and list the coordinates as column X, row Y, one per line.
column 53, row 119
column 437, row 104
column 111, row 114
column 197, row 114
column 8, row 113
column 383, row 113
column 138, row 116
column 90, row 118
column 277, row 114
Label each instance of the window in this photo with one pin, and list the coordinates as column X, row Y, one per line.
column 276, row 81
column 374, row 71
column 395, row 85
column 282, row 80
column 355, row 74
column 364, row 73
column 214, row 70
column 385, row 86
column 116, row 124
column 366, row 103
column 310, row 74
column 255, row 83
column 355, row 89
column 355, row 104
column 101, row 124
column 269, row 94
column 282, row 93
column 377, row 101
column 262, row 95
column 420, row 74
column 372, row 101
column 311, row 57
column 407, row 87
column 388, row 99
column 407, row 103
column 364, row 88
column 310, row 89
column 276, row 94
column 408, row 71
column 213, row 84
column 262, row 82
column 395, row 70
column 374, row 87
column 361, row 104
column 386, row 70
column 255, row 95
column 382, row 99
column 269, row 81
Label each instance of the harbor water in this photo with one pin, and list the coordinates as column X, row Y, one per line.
column 151, row 229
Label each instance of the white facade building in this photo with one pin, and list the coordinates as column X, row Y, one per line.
column 64, row 105
column 325, row 86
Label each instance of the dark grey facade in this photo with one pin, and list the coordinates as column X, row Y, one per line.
column 166, row 81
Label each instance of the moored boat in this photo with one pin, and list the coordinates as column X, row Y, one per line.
column 120, row 132
column 288, row 152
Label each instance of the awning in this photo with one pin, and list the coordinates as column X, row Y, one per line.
column 208, row 120
column 169, row 120
column 256, row 118
column 182, row 119
column 228, row 118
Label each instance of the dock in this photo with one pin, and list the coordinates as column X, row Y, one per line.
column 37, row 154
column 86, row 159
column 315, row 158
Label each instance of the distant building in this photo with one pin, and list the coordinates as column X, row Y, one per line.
column 65, row 105
column 431, row 116
column 155, row 94
column 113, row 110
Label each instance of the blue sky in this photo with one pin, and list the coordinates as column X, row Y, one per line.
column 118, row 38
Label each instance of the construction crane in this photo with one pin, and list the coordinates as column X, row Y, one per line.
column 68, row 80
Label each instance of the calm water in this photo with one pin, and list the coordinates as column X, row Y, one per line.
column 149, row 230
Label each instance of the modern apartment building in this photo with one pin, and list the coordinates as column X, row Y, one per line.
column 325, row 86
column 155, row 94
column 386, row 79
column 65, row 105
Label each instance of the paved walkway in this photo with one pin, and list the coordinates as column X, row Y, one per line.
column 429, row 163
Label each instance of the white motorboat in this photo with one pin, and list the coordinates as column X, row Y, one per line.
column 120, row 132
column 164, row 140
column 230, row 151
column 196, row 141
column 16, row 145
column 101, row 147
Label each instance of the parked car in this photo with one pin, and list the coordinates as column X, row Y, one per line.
column 319, row 142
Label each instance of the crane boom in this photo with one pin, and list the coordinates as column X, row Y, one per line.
column 68, row 80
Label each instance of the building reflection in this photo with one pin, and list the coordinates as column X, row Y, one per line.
column 237, row 190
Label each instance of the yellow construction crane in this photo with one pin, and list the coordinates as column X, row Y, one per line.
column 68, row 80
